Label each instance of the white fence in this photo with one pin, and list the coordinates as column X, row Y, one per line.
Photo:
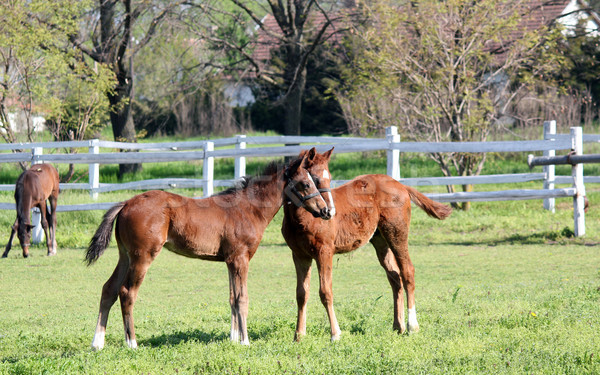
column 270, row 147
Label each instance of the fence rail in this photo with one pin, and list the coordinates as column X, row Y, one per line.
column 271, row 146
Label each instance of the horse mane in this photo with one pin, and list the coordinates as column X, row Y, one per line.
column 245, row 181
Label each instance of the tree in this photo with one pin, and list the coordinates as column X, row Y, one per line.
column 300, row 26
column 119, row 30
column 35, row 65
column 446, row 71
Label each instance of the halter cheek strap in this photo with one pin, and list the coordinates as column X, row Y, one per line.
column 295, row 196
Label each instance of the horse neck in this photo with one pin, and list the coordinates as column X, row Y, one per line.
column 23, row 206
column 266, row 197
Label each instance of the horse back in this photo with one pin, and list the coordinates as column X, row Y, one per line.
column 40, row 181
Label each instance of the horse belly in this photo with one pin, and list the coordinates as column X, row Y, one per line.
column 354, row 231
column 206, row 248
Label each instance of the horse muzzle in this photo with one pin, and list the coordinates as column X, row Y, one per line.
column 324, row 213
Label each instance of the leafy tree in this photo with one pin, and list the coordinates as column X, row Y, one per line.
column 445, row 71
column 582, row 71
column 35, row 63
column 115, row 31
column 179, row 85
column 294, row 40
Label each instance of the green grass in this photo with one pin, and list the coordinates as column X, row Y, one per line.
column 502, row 288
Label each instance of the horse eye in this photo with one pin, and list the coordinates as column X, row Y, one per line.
column 306, row 185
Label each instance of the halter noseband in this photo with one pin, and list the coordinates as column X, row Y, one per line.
column 295, row 196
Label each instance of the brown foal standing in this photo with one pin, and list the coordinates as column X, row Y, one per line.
column 226, row 227
column 34, row 186
column 373, row 208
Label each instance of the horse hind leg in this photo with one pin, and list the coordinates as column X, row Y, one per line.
column 388, row 262
column 128, row 292
column 44, row 222
column 110, row 292
column 52, row 223
column 238, row 299
column 396, row 235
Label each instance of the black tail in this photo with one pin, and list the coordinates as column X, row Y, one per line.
column 101, row 238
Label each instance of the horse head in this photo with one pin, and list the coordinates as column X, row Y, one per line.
column 301, row 188
column 24, row 234
column 319, row 172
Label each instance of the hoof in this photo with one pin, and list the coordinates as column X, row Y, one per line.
column 298, row 336
column 413, row 329
column 335, row 337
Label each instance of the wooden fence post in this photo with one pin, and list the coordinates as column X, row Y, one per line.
column 549, row 170
column 240, row 161
column 393, row 156
column 208, row 169
column 577, row 173
column 36, row 155
column 35, row 214
column 94, row 170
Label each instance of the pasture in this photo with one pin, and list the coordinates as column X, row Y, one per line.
column 502, row 288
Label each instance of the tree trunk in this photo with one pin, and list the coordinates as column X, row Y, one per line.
column 293, row 106
column 122, row 120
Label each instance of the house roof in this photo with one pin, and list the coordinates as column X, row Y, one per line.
column 270, row 35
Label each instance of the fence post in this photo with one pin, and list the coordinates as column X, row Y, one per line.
column 577, row 173
column 549, row 170
column 36, row 215
column 36, row 155
column 240, row 161
column 208, row 169
column 393, row 156
column 94, row 169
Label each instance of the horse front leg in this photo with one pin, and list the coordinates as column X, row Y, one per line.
column 10, row 239
column 238, row 299
column 324, row 264
column 303, row 266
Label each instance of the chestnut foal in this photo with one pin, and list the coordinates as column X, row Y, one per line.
column 373, row 208
column 226, row 227
column 34, row 186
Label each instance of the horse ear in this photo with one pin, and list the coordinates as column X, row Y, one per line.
column 302, row 153
column 309, row 157
column 294, row 165
column 328, row 153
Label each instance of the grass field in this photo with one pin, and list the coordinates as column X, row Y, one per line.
column 502, row 288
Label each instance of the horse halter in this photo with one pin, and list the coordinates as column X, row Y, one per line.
column 299, row 199
column 295, row 196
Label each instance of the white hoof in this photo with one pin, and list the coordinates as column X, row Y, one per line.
column 98, row 342
column 413, row 325
column 132, row 344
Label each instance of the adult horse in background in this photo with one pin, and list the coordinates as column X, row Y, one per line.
column 34, row 186
column 226, row 227
column 373, row 208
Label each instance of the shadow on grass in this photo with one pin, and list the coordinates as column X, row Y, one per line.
column 176, row 338
column 561, row 237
